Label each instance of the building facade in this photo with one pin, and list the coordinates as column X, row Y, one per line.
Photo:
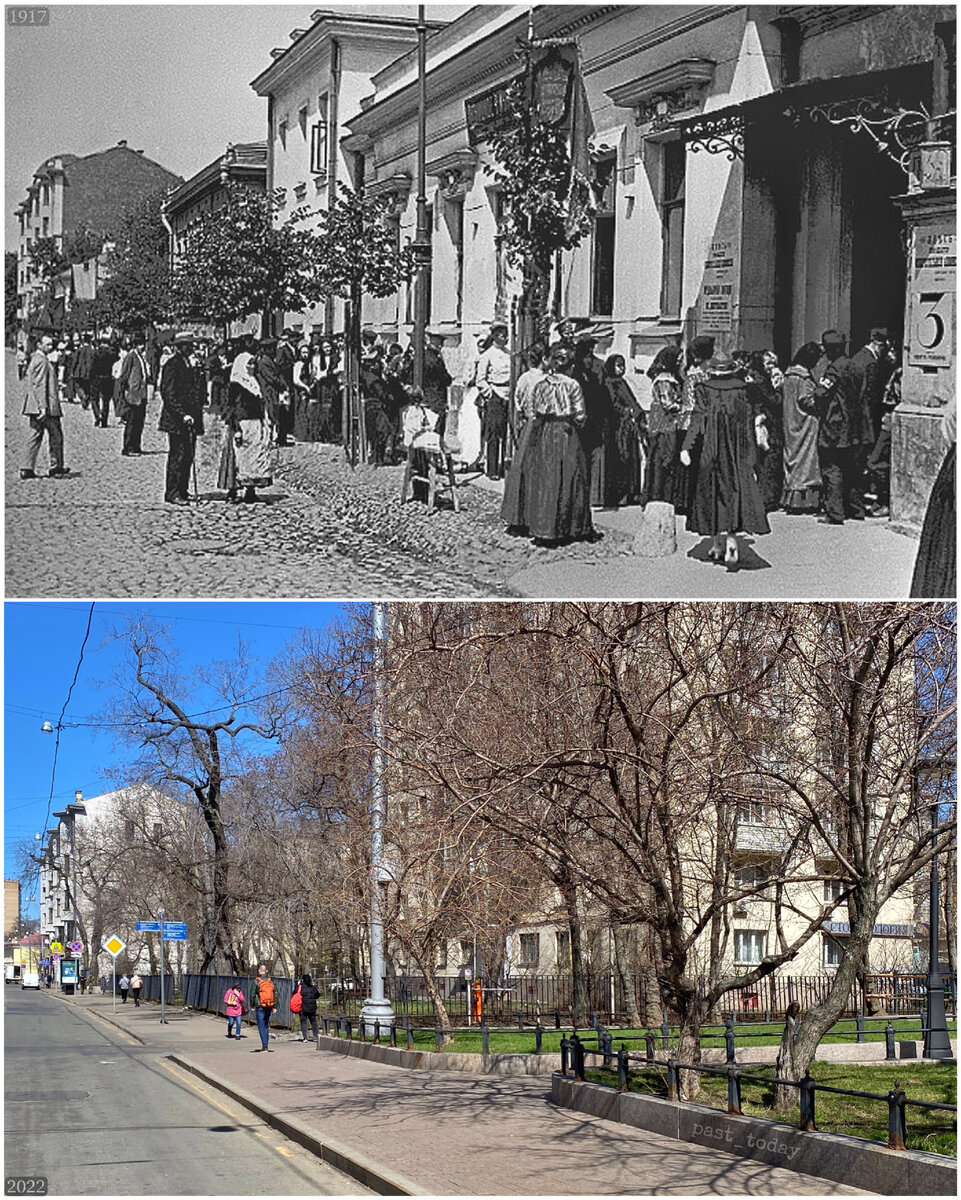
column 243, row 164
column 313, row 88
column 69, row 192
column 750, row 163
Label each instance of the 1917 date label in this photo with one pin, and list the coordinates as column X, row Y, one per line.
column 25, row 1185
column 28, row 16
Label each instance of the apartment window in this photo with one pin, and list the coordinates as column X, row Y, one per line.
column 46, row 193
column 302, row 121
column 318, row 139
column 530, row 949
column 442, row 957
column 672, row 226
column 753, row 875
column 752, row 813
column 563, row 947
column 750, row 945
column 833, row 889
column 282, row 132
column 602, row 265
column 833, row 951
column 46, row 226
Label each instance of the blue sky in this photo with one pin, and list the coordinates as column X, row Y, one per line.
column 41, row 648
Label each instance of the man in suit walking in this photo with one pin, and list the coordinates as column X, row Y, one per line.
column 134, row 377
column 285, row 357
column 181, row 418
column 41, row 404
column 844, row 432
column 82, row 366
column 101, row 381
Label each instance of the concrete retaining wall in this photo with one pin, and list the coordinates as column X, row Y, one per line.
column 843, row 1159
column 427, row 1060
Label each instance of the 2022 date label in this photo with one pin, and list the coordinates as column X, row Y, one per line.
column 25, row 1185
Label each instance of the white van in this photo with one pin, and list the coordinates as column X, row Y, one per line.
column 30, row 979
column 11, row 973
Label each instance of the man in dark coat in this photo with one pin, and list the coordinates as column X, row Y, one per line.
column 273, row 388
column 872, row 368
column 437, row 379
column 285, row 357
column 181, row 418
column 844, row 433
column 101, row 381
column 82, row 366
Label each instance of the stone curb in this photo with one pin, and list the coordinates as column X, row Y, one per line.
column 849, row 1160
column 351, row 1162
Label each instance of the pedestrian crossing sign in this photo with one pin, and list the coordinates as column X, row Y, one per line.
column 113, row 945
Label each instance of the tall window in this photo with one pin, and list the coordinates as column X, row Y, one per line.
column 753, row 875
column 282, row 132
column 672, row 226
column 318, row 139
column 302, row 121
column 602, row 266
column 833, row 889
column 752, row 812
column 749, row 945
column 833, row 951
column 563, row 947
column 530, row 949
column 454, row 215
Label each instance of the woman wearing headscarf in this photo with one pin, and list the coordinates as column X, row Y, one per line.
column 802, row 469
column 628, row 435
column 304, row 398
column 724, row 426
column 554, row 486
column 249, row 426
column 666, row 478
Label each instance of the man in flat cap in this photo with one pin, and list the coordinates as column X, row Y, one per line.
column 844, row 432
column 41, row 405
column 181, row 417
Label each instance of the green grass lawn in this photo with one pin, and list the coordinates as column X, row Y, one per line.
column 507, row 1041
column 927, row 1130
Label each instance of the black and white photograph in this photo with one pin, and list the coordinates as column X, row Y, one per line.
column 494, row 301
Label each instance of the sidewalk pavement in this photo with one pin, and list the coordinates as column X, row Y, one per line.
column 799, row 558
column 440, row 1133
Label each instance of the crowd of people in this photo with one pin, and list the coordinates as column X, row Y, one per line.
column 725, row 439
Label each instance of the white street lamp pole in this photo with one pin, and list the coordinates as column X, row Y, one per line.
column 377, row 1007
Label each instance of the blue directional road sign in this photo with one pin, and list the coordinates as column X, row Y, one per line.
column 148, row 926
column 175, row 931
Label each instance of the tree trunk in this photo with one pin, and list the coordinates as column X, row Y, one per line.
column 568, row 891
column 692, row 1016
column 440, row 1008
column 786, row 1097
column 626, row 970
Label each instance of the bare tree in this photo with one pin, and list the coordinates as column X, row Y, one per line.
column 198, row 752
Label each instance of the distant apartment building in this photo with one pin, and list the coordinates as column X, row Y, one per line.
column 11, row 909
column 69, row 192
column 242, row 164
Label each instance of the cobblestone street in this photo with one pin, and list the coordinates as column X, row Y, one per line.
column 321, row 531
column 326, row 531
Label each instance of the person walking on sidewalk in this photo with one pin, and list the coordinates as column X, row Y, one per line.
column 263, row 1001
column 136, row 986
column 234, row 1005
column 181, row 417
column 41, row 404
column 124, row 986
column 308, row 1008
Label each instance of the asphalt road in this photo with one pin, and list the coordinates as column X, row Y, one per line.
column 98, row 1114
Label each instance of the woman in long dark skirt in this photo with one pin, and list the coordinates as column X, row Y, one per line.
column 598, row 425
column 726, row 497
column 554, row 483
column 936, row 567
column 514, row 501
column 628, row 435
column 303, row 397
column 665, row 477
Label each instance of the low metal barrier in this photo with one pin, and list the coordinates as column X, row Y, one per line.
column 574, row 1055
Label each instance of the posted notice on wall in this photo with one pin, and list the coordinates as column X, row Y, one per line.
column 931, row 321
column 717, row 290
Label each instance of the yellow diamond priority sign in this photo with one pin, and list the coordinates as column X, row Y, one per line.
column 113, row 945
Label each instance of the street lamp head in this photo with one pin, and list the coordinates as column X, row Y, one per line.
column 78, row 796
column 46, row 727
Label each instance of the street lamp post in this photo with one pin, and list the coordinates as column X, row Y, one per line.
column 937, row 1043
column 421, row 243
column 377, row 1007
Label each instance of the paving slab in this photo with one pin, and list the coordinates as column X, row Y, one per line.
column 442, row 1133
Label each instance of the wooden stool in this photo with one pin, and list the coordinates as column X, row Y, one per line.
column 439, row 478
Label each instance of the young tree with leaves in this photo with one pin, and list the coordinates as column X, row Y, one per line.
column 135, row 291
